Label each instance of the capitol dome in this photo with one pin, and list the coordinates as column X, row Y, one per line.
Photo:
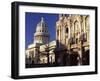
column 42, row 34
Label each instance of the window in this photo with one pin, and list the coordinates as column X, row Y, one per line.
column 84, row 37
column 43, row 60
column 66, row 30
column 87, row 23
column 72, row 40
column 31, row 53
column 76, row 26
column 76, row 40
column 51, row 59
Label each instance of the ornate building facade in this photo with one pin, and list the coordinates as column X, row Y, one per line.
column 37, row 52
column 71, row 44
column 72, row 34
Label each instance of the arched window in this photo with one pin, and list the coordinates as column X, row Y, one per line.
column 67, row 30
column 51, row 59
column 86, row 34
column 76, row 26
column 76, row 31
column 76, row 40
column 87, row 23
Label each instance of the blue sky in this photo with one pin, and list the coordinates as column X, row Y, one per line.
column 31, row 21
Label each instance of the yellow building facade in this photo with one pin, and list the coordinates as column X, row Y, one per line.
column 72, row 33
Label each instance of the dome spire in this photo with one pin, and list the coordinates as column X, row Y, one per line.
column 42, row 34
column 42, row 19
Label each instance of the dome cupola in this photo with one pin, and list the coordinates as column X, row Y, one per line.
column 42, row 34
